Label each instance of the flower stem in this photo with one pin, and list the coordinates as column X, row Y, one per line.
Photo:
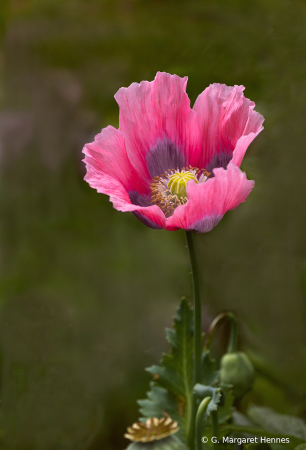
column 215, row 428
column 192, row 422
column 197, row 331
column 233, row 340
column 201, row 410
column 214, row 327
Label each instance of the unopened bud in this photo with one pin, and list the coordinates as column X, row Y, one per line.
column 236, row 369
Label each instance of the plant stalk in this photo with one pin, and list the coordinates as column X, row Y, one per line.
column 215, row 428
column 199, row 420
column 197, row 332
column 233, row 340
column 216, row 324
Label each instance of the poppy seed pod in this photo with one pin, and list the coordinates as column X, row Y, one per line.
column 154, row 434
column 236, row 369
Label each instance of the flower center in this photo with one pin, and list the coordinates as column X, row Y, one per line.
column 170, row 189
column 177, row 183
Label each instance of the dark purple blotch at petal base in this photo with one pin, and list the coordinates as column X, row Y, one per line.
column 220, row 159
column 146, row 221
column 205, row 224
column 139, row 199
column 142, row 200
column 164, row 156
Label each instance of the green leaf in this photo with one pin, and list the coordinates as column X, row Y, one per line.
column 175, row 372
column 159, row 402
column 277, row 423
column 172, row 386
column 226, row 410
column 301, row 447
column 202, row 391
column 171, row 389
column 224, row 413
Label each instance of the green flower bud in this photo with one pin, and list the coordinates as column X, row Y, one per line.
column 236, row 369
column 168, row 443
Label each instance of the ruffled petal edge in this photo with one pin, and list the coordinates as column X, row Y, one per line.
column 105, row 184
column 228, row 124
column 209, row 201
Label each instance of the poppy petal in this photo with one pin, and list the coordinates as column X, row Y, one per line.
column 228, row 124
column 105, row 184
column 209, row 201
column 108, row 154
column 160, row 129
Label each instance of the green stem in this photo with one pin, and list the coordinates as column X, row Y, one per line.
column 197, row 307
column 233, row 340
column 197, row 331
column 215, row 428
column 201, row 411
column 192, row 422
column 214, row 327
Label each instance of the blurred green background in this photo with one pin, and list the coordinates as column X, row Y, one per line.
column 86, row 291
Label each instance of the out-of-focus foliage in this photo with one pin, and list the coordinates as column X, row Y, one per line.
column 277, row 423
column 85, row 290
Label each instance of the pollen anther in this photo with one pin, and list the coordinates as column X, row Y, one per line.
column 170, row 189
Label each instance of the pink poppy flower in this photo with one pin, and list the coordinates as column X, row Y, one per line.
column 173, row 166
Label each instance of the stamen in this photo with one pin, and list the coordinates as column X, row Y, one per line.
column 170, row 189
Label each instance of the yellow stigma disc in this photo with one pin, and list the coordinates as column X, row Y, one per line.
column 177, row 183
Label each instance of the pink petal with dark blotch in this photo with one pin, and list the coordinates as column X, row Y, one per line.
column 209, row 201
column 106, row 184
column 108, row 155
column 228, row 124
column 160, row 128
column 110, row 172
column 158, row 131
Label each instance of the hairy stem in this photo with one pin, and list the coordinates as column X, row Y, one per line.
column 197, row 331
